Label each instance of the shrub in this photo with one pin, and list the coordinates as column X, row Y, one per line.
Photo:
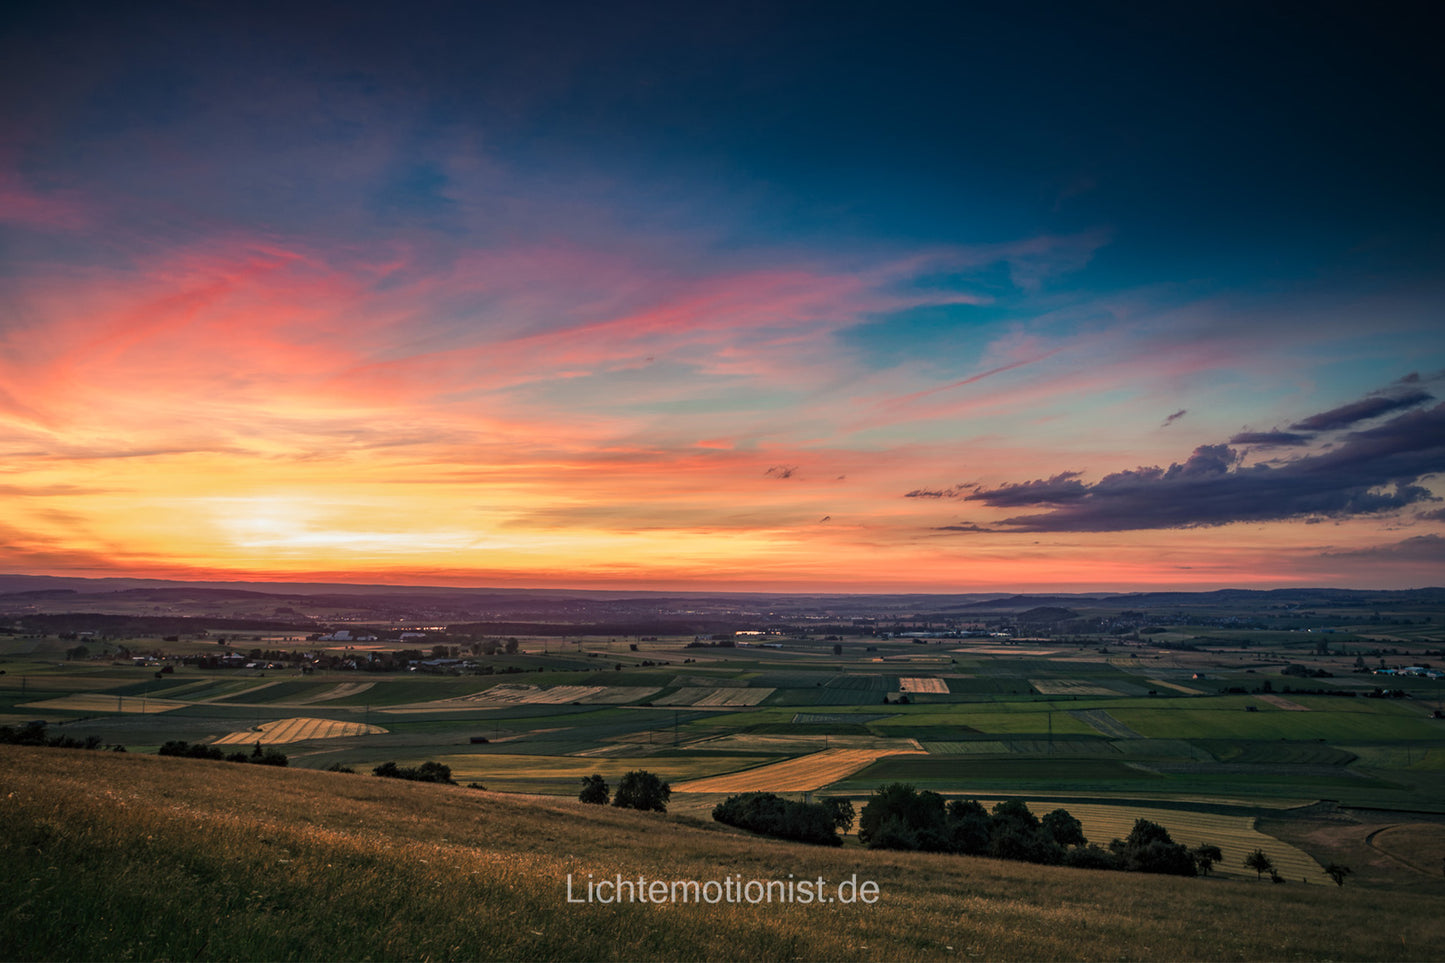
column 427, row 772
column 179, row 747
column 1150, row 850
column 772, row 815
column 594, row 790
column 900, row 817
column 1093, row 857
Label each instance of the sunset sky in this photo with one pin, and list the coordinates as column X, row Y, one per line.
column 781, row 296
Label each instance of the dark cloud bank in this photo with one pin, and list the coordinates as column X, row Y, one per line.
column 1364, row 472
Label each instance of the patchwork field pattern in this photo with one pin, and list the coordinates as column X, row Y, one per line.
column 296, row 730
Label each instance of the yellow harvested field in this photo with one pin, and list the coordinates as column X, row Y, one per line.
column 96, row 702
column 1282, row 703
column 929, row 684
column 339, row 691
column 1177, row 687
column 296, row 730
column 1070, row 687
column 795, row 775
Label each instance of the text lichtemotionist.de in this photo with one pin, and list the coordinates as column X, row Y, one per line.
column 729, row 889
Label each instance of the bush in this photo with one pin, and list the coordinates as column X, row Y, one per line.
column 179, row 747
column 900, row 817
column 1150, row 850
column 594, row 790
column 640, row 789
column 1093, row 857
column 427, row 772
column 772, row 815
column 33, row 734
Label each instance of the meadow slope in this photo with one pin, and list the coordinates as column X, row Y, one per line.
column 128, row 856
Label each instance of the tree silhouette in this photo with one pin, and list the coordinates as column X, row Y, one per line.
column 1205, row 856
column 640, row 789
column 1259, row 862
column 1337, row 873
column 594, row 790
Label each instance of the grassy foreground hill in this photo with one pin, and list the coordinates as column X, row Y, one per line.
column 123, row 856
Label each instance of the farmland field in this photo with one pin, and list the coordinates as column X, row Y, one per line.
column 796, row 775
column 1205, row 734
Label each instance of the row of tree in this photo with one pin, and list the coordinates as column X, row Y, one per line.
column 259, row 756
column 900, row 817
column 34, row 734
column 639, row 789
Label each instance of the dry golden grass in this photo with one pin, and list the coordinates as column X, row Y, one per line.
column 296, row 730
column 113, row 856
column 795, row 775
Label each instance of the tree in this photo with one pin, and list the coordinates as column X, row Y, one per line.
column 1205, row 856
column 912, row 819
column 1337, row 872
column 772, row 815
column 594, row 790
column 969, row 827
column 842, row 812
column 1259, row 862
column 640, row 789
column 511, row 647
column 1064, row 828
column 1150, row 850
